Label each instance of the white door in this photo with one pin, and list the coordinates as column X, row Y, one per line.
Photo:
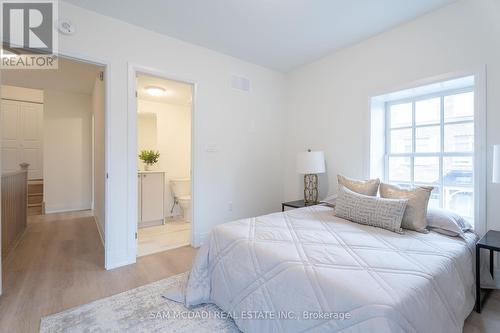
column 22, row 133
column 152, row 197
column 10, row 135
column 31, row 138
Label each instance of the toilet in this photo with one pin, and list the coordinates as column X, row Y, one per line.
column 182, row 192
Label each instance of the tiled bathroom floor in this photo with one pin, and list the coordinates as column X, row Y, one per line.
column 165, row 237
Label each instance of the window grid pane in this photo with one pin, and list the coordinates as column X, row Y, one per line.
column 401, row 141
column 401, row 115
column 428, row 111
column 459, row 137
column 435, row 146
column 459, row 107
column 428, row 139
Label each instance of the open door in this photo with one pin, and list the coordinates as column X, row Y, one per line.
column 163, row 118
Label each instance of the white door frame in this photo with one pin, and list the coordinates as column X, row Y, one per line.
column 133, row 70
column 107, row 107
column 107, row 69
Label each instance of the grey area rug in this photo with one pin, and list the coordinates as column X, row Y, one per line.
column 140, row 310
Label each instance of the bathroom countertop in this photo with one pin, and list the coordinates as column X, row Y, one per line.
column 151, row 171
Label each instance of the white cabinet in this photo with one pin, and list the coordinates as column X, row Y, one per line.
column 151, row 188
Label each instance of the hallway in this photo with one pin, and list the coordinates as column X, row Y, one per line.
column 58, row 264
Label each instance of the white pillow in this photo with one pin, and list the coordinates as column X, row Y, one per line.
column 447, row 222
column 330, row 200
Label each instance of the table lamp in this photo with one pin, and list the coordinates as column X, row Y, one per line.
column 310, row 163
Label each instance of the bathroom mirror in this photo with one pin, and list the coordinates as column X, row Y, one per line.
column 146, row 131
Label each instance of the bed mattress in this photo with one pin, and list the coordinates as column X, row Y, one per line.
column 306, row 270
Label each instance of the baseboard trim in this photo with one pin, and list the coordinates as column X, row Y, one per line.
column 99, row 230
column 54, row 209
column 200, row 239
column 120, row 263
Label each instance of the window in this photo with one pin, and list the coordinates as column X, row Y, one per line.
column 430, row 141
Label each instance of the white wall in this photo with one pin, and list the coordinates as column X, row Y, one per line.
column 67, row 151
column 328, row 101
column 99, row 172
column 246, row 127
column 66, row 146
column 173, row 131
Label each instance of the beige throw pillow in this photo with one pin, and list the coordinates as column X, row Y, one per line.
column 366, row 187
column 415, row 217
column 369, row 210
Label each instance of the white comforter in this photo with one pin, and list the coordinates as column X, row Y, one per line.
column 307, row 262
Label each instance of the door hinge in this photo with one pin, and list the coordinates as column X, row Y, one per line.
column 101, row 76
column 136, row 94
column 136, row 235
column 107, row 175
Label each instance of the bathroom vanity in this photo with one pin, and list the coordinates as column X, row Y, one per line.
column 151, row 198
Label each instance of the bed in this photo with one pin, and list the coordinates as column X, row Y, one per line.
column 308, row 270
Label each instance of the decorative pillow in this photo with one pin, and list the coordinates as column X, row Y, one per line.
column 447, row 222
column 366, row 187
column 330, row 200
column 368, row 210
column 415, row 217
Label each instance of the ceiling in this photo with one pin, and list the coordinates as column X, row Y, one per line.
column 175, row 92
column 71, row 76
column 278, row 34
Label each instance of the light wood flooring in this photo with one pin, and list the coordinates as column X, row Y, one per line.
column 171, row 235
column 58, row 264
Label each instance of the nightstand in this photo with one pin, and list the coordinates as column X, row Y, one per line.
column 295, row 204
column 490, row 241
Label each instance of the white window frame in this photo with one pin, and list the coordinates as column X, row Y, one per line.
column 412, row 155
column 374, row 161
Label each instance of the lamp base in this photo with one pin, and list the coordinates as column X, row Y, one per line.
column 311, row 189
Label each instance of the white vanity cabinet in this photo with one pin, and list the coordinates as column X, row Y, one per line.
column 151, row 189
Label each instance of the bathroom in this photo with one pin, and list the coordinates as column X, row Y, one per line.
column 164, row 114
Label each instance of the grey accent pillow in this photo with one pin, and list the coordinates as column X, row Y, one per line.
column 372, row 211
column 447, row 222
column 415, row 217
column 366, row 187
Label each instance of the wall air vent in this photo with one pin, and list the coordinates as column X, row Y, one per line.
column 240, row 83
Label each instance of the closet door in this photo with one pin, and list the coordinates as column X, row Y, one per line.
column 31, row 138
column 22, row 133
column 10, row 135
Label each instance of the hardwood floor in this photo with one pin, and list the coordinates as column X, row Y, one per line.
column 58, row 264
column 489, row 319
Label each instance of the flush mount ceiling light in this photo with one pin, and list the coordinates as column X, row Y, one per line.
column 155, row 91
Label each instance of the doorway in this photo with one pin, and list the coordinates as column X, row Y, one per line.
column 163, row 112
column 53, row 125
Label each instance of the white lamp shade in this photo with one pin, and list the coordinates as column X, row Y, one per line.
column 310, row 162
column 496, row 164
